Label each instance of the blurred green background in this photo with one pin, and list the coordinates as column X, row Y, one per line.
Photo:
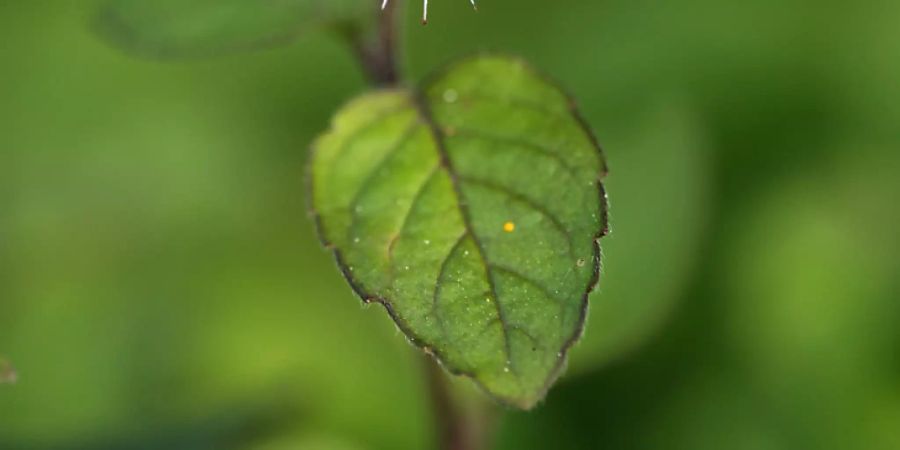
column 162, row 287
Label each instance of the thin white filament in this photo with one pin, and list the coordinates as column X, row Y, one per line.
column 425, row 8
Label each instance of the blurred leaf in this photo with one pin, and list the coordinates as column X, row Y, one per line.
column 660, row 205
column 471, row 210
column 197, row 28
column 825, row 285
column 307, row 441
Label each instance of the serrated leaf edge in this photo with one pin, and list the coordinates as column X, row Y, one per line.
column 419, row 102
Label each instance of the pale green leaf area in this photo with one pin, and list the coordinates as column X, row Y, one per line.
column 7, row 373
column 173, row 29
column 471, row 210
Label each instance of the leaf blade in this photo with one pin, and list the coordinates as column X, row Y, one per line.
column 180, row 29
column 465, row 240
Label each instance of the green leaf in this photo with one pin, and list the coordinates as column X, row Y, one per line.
column 175, row 29
column 471, row 209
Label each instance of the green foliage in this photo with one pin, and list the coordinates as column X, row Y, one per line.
column 185, row 29
column 660, row 205
column 160, row 283
column 471, row 210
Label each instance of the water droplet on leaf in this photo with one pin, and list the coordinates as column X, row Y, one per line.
column 450, row 95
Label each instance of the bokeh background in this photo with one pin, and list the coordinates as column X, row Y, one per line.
column 162, row 288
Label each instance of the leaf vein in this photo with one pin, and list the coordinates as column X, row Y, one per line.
column 422, row 106
column 520, row 102
column 516, row 274
column 527, row 201
column 385, row 115
column 373, row 175
column 412, row 205
column 438, row 285
column 520, row 143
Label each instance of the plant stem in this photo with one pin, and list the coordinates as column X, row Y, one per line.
column 378, row 54
column 459, row 425
column 446, row 415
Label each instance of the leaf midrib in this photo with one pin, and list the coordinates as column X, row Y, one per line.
column 421, row 106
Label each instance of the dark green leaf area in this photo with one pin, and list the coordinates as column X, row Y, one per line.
column 471, row 209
